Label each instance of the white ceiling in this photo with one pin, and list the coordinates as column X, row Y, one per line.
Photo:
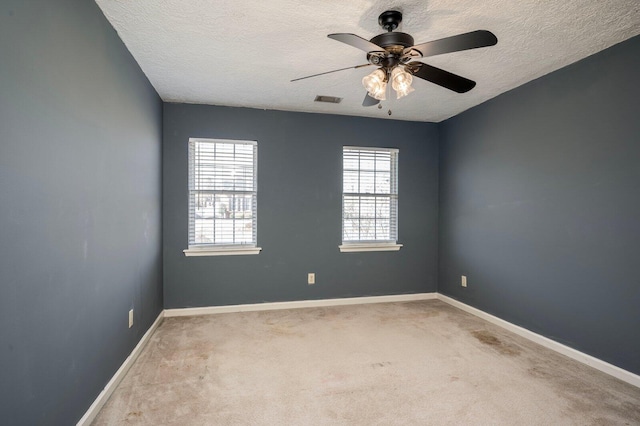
column 244, row 53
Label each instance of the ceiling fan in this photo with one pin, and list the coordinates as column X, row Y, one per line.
column 395, row 56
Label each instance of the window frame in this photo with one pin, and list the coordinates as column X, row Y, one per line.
column 373, row 245
column 221, row 249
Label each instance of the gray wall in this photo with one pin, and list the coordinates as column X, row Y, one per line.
column 299, row 209
column 80, row 146
column 539, row 206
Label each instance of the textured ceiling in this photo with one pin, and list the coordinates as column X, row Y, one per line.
column 244, row 53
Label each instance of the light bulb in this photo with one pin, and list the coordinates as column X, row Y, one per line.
column 401, row 82
column 375, row 84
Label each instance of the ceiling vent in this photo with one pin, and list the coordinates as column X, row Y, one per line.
column 329, row 99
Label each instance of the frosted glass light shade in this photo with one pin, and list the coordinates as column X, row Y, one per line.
column 375, row 85
column 401, row 82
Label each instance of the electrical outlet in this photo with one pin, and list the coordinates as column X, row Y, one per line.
column 131, row 318
column 464, row 281
column 311, row 278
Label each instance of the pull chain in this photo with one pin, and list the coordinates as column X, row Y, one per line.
column 380, row 107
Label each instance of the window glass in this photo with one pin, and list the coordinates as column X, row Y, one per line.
column 222, row 192
column 370, row 195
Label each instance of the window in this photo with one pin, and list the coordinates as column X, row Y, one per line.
column 222, row 197
column 369, row 199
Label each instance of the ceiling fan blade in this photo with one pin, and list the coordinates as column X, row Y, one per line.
column 357, row 42
column 466, row 41
column 440, row 77
column 329, row 72
column 369, row 101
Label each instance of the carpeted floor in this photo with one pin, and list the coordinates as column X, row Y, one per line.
column 413, row 363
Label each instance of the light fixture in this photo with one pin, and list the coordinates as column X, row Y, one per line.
column 376, row 84
column 401, row 82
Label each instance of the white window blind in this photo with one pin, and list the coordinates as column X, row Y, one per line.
column 369, row 195
column 222, row 193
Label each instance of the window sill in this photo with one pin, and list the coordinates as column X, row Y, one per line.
column 351, row 248
column 221, row 251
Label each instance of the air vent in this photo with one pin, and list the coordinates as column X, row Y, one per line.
column 329, row 99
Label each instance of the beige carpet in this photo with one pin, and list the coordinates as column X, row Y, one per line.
column 414, row 363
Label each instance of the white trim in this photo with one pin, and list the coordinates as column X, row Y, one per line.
column 238, row 141
column 208, row 310
column 351, row 248
column 226, row 251
column 589, row 360
column 371, row 148
column 104, row 395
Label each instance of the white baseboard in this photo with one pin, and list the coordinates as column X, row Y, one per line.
column 589, row 360
column 183, row 312
column 102, row 398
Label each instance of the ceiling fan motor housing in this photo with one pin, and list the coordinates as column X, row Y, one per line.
column 393, row 43
column 391, row 40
